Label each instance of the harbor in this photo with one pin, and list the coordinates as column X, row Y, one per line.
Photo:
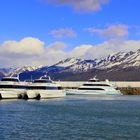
column 69, row 70
column 46, row 88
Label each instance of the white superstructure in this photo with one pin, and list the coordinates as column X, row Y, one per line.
column 95, row 87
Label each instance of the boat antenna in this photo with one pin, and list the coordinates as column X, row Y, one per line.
column 95, row 77
column 107, row 80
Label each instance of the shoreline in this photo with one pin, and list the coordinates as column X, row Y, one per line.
column 130, row 91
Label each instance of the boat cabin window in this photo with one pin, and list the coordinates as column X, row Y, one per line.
column 13, row 86
column 42, row 81
column 45, row 78
column 10, row 79
column 30, row 87
column 93, row 80
column 42, row 88
column 60, row 88
column 96, row 85
column 90, row 89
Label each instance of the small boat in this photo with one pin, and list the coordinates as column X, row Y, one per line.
column 95, row 87
column 43, row 88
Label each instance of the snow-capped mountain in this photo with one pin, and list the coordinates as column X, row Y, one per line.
column 16, row 71
column 117, row 66
column 76, row 64
column 6, row 70
column 120, row 60
column 24, row 69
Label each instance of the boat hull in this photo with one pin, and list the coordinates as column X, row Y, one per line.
column 81, row 92
column 44, row 94
column 11, row 94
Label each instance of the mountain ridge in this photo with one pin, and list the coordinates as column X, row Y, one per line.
column 127, row 64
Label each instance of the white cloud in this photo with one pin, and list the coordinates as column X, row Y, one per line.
column 112, row 46
column 57, row 46
column 26, row 46
column 63, row 32
column 54, row 52
column 81, row 5
column 30, row 51
column 112, row 31
column 33, row 52
column 130, row 45
column 80, row 51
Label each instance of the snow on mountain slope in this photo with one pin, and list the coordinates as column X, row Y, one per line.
column 110, row 61
column 6, row 71
column 23, row 69
column 76, row 64
column 68, row 62
column 119, row 59
column 133, row 60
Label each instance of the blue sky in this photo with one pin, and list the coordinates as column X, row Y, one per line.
column 66, row 27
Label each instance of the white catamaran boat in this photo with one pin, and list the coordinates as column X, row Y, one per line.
column 13, row 88
column 95, row 87
column 44, row 88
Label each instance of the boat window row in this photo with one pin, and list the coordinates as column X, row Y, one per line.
column 43, row 88
column 90, row 89
column 42, row 81
column 96, row 85
column 30, row 87
column 94, row 80
column 13, row 86
column 10, row 80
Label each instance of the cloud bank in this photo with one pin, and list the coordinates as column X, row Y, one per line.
column 33, row 52
column 112, row 31
column 81, row 5
column 28, row 46
column 63, row 32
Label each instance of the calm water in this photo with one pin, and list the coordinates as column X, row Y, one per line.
column 71, row 118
